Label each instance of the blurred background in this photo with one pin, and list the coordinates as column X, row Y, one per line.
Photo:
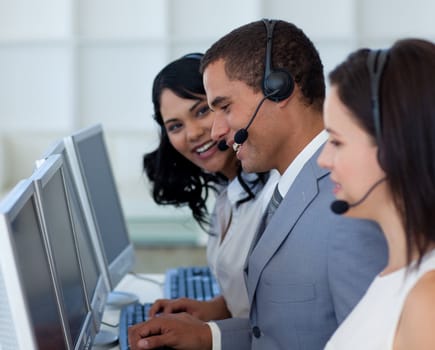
column 68, row 64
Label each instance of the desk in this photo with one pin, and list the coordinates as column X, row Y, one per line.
column 146, row 291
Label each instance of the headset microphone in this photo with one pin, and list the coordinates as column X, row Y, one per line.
column 340, row 207
column 222, row 145
column 242, row 134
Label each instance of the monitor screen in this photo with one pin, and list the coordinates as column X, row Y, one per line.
column 95, row 166
column 56, row 212
column 95, row 287
column 23, row 230
column 94, row 270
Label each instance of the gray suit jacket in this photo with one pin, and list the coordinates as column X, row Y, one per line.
column 307, row 271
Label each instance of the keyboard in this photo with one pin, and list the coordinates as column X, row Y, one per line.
column 130, row 315
column 195, row 282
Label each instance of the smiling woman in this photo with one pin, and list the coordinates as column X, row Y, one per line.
column 188, row 124
column 188, row 165
column 178, row 173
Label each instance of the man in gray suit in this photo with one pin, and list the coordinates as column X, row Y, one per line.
column 309, row 267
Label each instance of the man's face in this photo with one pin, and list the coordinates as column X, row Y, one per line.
column 234, row 103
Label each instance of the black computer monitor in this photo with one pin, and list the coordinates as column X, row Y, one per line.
column 62, row 246
column 31, row 314
column 88, row 148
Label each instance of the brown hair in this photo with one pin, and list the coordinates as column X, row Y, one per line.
column 407, row 115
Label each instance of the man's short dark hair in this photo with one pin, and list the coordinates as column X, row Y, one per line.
column 244, row 51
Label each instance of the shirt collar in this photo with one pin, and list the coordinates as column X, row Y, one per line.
column 297, row 164
column 235, row 191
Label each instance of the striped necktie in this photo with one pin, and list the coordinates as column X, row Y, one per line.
column 270, row 210
column 273, row 205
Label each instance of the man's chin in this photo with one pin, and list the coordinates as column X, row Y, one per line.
column 248, row 167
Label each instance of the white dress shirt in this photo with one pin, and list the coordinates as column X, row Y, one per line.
column 285, row 181
column 237, row 223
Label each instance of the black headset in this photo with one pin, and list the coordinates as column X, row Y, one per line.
column 376, row 61
column 195, row 55
column 278, row 84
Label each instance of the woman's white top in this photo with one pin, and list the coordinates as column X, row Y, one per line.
column 226, row 258
column 372, row 324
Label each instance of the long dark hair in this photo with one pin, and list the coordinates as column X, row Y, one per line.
column 176, row 180
column 407, row 134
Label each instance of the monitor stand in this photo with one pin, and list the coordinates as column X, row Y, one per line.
column 118, row 299
column 105, row 339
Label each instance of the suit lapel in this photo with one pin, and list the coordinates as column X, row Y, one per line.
column 301, row 193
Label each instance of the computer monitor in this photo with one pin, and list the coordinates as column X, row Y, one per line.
column 62, row 247
column 31, row 315
column 94, row 270
column 87, row 148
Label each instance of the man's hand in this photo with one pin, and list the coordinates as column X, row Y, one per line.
column 178, row 331
column 215, row 309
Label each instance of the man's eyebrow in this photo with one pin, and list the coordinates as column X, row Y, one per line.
column 217, row 101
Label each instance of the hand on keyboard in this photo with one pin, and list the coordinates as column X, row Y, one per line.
column 180, row 331
column 193, row 282
column 214, row 309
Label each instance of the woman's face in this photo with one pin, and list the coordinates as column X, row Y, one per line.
column 351, row 156
column 188, row 124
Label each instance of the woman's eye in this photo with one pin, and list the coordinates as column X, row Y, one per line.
column 173, row 127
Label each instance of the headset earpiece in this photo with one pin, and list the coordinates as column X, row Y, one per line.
column 195, row 55
column 278, row 84
column 280, row 81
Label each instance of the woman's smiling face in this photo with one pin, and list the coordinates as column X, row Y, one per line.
column 188, row 123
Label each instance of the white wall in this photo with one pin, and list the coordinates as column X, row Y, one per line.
column 66, row 64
